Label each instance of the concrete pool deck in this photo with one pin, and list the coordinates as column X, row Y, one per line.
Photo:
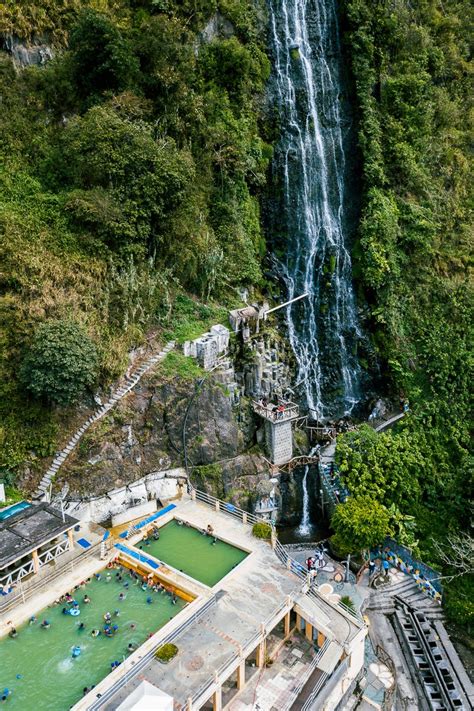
column 259, row 589
column 246, row 597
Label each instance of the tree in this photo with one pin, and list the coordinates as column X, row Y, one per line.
column 102, row 59
column 359, row 524
column 60, row 364
column 127, row 183
column 457, row 554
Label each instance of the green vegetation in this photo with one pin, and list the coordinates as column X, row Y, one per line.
column 166, row 652
column 262, row 530
column 359, row 524
column 348, row 602
column 130, row 180
column 412, row 78
column 60, row 364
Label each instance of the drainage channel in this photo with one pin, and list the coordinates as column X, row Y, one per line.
column 442, row 688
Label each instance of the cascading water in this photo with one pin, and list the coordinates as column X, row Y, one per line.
column 305, row 527
column 312, row 212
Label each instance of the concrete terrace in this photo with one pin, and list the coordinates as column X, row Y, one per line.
column 230, row 621
column 246, row 597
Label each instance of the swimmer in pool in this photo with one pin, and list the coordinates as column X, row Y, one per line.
column 86, row 599
column 95, row 633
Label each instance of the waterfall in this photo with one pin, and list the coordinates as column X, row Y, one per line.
column 305, row 524
column 306, row 527
column 311, row 210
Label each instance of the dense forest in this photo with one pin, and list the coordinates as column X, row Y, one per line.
column 130, row 174
column 412, row 87
column 132, row 168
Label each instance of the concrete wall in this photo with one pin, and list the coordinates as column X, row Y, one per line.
column 343, row 684
column 134, row 512
column 163, row 485
column 279, row 441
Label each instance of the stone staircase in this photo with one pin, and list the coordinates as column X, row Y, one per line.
column 118, row 393
column 384, row 599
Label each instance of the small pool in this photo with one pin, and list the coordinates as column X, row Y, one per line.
column 37, row 666
column 11, row 510
column 189, row 551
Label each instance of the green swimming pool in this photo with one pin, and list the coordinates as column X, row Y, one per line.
column 188, row 550
column 37, row 666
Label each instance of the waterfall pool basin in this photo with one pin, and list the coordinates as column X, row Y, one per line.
column 189, row 551
column 38, row 667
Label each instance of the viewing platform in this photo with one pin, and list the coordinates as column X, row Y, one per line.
column 283, row 412
column 278, row 431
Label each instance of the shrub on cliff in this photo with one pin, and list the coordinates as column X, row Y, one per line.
column 61, row 363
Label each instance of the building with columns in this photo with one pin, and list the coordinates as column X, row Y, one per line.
column 31, row 536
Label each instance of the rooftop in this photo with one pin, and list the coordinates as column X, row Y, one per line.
column 28, row 529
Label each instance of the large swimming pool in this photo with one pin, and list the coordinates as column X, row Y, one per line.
column 37, row 666
column 188, row 550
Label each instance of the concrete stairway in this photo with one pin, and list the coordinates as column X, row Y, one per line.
column 384, row 599
column 118, row 393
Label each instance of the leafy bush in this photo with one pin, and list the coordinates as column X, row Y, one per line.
column 102, row 59
column 262, row 530
column 359, row 523
column 60, row 364
column 348, row 602
column 166, row 652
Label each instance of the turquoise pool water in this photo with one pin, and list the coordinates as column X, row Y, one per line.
column 186, row 549
column 6, row 513
column 50, row 679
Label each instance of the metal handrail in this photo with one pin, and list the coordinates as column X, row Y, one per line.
column 226, row 507
column 291, row 410
column 107, row 695
column 246, row 647
column 295, row 691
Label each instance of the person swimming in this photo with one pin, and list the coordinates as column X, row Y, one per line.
column 149, row 600
column 46, row 624
column 116, row 613
column 95, row 633
column 13, row 633
column 174, row 599
column 107, row 616
column 122, row 596
column 81, row 627
column 32, row 620
column 86, row 600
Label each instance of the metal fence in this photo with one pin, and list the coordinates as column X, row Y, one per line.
column 225, row 507
column 141, row 663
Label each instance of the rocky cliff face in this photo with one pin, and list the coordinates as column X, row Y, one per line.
column 144, row 433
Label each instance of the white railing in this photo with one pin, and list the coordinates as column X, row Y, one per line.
column 18, row 573
column 289, row 562
column 286, row 411
column 54, row 552
column 302, row 679
column 225, row 507
column 25, row 590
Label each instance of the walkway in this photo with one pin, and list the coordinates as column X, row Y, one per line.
column 118, row 393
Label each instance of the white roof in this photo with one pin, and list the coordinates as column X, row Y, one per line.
column 330, row 657
column 147, row 697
